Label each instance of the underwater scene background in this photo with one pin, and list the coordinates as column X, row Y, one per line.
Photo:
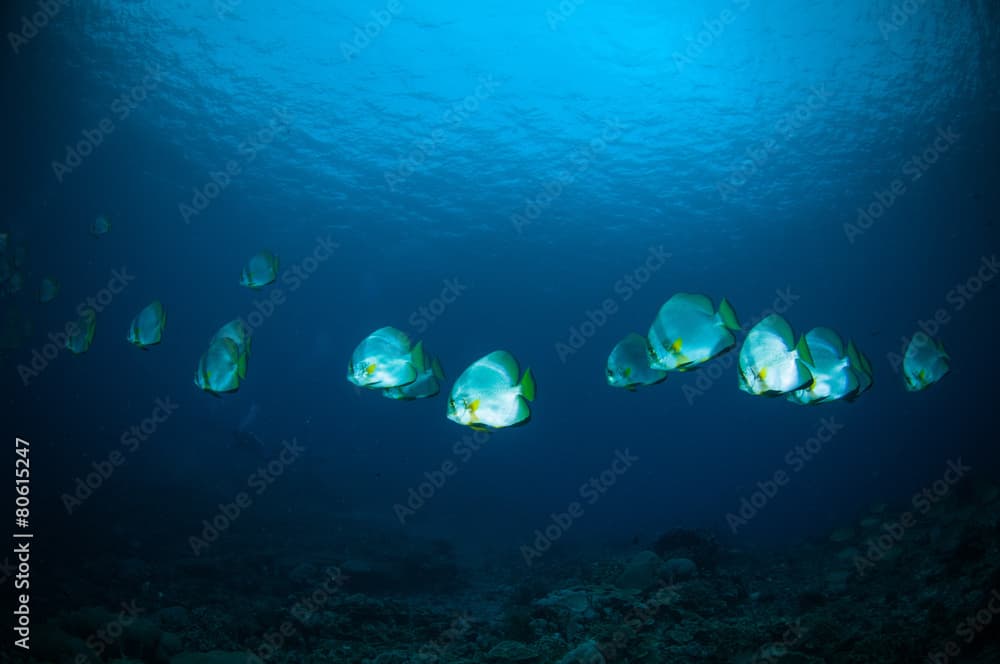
column 537, row 177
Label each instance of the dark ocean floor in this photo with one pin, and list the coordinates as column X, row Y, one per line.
column 895, row 586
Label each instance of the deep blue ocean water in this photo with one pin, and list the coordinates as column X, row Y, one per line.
column 528, row 162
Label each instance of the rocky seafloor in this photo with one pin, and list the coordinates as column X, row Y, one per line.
column 892, row 586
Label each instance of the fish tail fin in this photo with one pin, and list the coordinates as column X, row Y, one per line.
column 436, row 368
column 805, row 377
column 852, row 356
column 528, row 386
column 802, row 348
column 241, row 366
column 728, row 315
column 523, row 412
column 853, row 381
column 419, row 360
column 867, row 367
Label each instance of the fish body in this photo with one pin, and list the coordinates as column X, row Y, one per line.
column 628, row 364
column 924, row 363
column 688, row 332
column 260, row 270
column 427, row 384
column 771, row 363
column 834, row 377
column 385, row 359
column 147, row 327
column 48, row 290
column 221, row 368
column 491, row 393
column 100, row 226
column 83, row 335
column 239, row 333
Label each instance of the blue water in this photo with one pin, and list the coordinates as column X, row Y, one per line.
column 740, row 138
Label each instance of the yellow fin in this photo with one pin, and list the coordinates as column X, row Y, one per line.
column 762, row 374
column 676, row 346
column 473, row 406
column 370, row 369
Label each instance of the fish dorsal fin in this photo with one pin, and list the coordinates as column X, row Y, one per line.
column 505, row 363
column 777, row 326
column 632, row 349
column 392, row 336
column 634, row 340
column 825, row 336
column 694, row 301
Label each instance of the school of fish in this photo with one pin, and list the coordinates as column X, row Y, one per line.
column 493, row 393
